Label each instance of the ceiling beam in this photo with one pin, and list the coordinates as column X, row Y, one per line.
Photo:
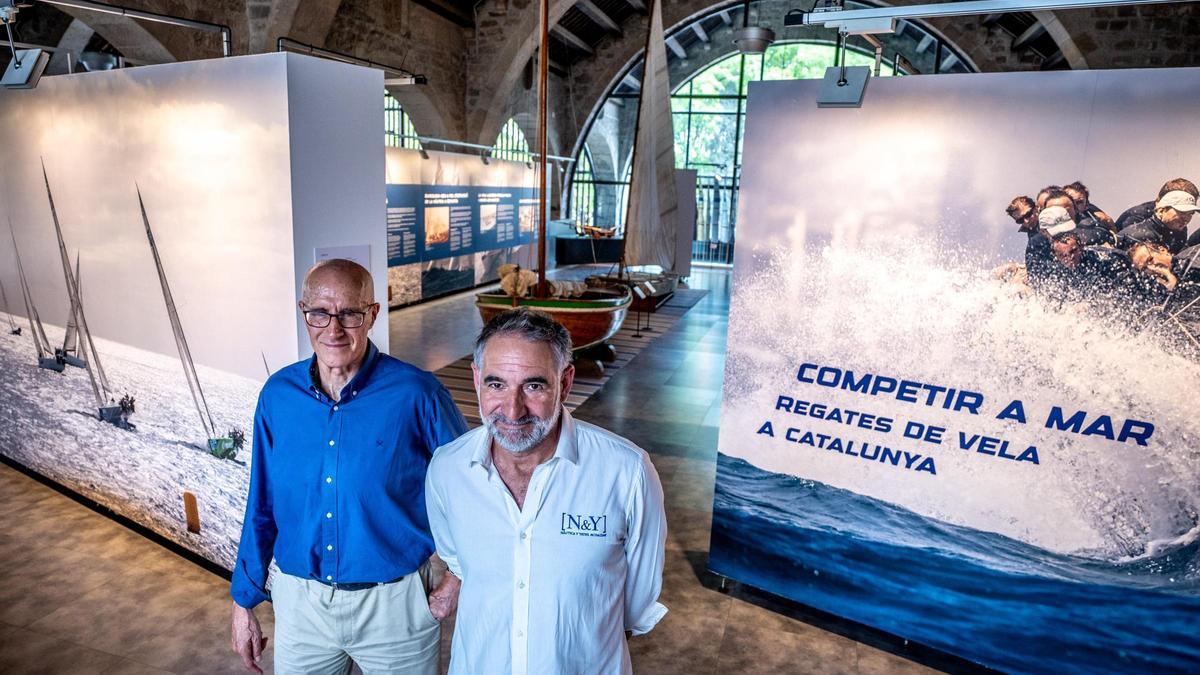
column 572, row 40
column 639, row 5
column 1032, row 33
column 725, row 19
column 596, row 14
column 630, row 81
column 673, row 44
column 700, row 32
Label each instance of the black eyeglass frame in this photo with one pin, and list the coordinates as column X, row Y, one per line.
column 341, row 316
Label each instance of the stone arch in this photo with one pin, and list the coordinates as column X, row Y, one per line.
column 129, row 37
column 420, row 107
column 1066, row 44
column 306, row 21
column 503, row 69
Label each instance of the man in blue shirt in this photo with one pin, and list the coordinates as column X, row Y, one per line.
column 341, row 446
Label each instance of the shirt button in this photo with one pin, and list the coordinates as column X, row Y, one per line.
column 328, row 514
column 523, row 535
column 354, row 393
column 329, row 547
column 328, row 479
column 335, row 408
column 328, row 578
column 520, row 633
column 521, row 584
column 330, row 442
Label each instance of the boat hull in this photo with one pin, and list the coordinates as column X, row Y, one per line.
column 661, row 287
column 590, row 319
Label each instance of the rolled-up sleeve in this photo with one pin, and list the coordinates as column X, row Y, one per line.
column 258, row 527
column 644, row 550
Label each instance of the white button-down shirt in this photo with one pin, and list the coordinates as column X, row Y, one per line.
column 552, row 587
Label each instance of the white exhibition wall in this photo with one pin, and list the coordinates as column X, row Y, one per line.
column 246, row 165
column 335, row 118
column 250, row 168
column 912, row 440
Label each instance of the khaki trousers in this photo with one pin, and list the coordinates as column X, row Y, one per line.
column 385, row 629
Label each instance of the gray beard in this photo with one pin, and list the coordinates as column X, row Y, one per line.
column 522, row 442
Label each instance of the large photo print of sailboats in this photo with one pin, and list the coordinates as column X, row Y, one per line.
column 118, row 424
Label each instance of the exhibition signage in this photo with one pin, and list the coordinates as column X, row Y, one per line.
column 454, row 221
column 919, row 432
column 431, row 222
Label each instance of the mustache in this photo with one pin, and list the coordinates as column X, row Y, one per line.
column 499, row 417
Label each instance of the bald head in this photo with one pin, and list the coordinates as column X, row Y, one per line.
column 341, row 273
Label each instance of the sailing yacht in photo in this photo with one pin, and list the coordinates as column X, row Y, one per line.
column 45, row 353
column 69, row 353
column 220, row 446
column 109, row 409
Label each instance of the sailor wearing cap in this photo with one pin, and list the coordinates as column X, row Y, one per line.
column 1167, row 226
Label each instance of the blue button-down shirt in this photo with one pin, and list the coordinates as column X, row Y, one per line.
column 337, row 488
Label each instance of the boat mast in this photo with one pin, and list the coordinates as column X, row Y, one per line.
column 637, row 131
column 35, row 322
column 185, row 354
column 100, row 389
column 542, row 290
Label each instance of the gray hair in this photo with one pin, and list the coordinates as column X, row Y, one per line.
column 531, row 326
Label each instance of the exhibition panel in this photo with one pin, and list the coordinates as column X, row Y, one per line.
column 923, row 434
column 453, row 220
column 163, row 217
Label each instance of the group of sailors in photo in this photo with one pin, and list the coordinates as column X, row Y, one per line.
column 1140, row 264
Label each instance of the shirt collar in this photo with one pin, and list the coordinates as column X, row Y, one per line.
column 566, row 449
column 370, row 360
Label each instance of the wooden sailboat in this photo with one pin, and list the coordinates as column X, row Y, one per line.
column 45, row 353
column 221, row 446
column 109, row 410
column 69, row 352
column 13, row 328
column 652, row 210
column 598, row 313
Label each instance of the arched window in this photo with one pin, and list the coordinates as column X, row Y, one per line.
column 398, row 129
column 511, row 143
column 709, row 112
column 583, row 197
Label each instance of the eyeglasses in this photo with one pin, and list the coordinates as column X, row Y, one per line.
column 347, row 318
column 1026, row 217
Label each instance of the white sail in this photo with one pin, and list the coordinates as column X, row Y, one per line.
column 96, row 376
column 185, row 354
column 651, row 219
column 70, row 340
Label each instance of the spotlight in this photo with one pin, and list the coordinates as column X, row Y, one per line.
column 27, row 65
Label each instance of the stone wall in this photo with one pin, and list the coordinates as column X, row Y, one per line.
column 477, row 75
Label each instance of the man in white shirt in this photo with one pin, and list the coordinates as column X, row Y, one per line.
column 554, row 526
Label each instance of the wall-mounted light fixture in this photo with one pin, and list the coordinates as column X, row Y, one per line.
column 844, row 87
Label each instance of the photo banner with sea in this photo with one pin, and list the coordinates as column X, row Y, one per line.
column 950, row 424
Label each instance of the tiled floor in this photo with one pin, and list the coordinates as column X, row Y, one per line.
column 79, row 593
